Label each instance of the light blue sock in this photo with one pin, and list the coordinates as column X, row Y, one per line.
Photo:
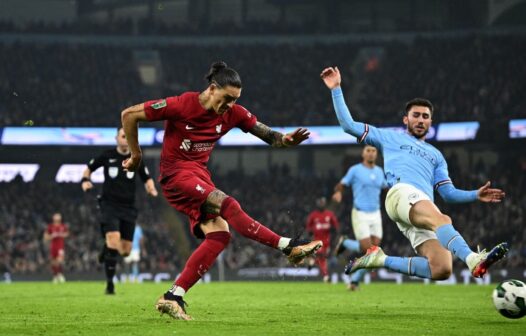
column 411, row 266
column 352, row 245
column 453, row 241
column 357, row 276
column 135, row 269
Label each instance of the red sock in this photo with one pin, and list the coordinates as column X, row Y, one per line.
column 322, row 262
column 235, row 216
column 54, row 269
column 202, row 259
column 59, row 268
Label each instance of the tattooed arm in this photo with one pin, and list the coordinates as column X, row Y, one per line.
column 277, row 139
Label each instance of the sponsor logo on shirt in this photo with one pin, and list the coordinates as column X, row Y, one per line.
column 112, row 160
column 419, row 152
column 186, row 145
column 159, row 104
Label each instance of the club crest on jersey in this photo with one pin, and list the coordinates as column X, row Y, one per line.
column 113, row 172
column 186, row 145
column 218, row 128
column 159, row 104
column 130, row 175
column 200, row 189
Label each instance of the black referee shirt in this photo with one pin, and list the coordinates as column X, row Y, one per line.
column 119, row 185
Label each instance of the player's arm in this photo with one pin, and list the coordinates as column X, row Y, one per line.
column 363, row 132
column 450, row 194
column 130, row 118
column 149, row 185
column 86, row 180
column 278, row 139
column 340, row 187
column 47, row 236
column 92, row 165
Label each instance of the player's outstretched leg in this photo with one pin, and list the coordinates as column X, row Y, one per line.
column 478, row 263
column 197, row 265
column 376, row 258
column 344, row 243
column 295, row 249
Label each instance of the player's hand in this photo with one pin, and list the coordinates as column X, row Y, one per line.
column 86, row 186
column 337, row 197
column 296, row 137
column 152, row 192
column 132, row 163
column 490, row 195
column 331, row 76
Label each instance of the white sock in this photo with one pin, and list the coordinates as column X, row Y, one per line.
column 176, row 290
column 283, row 242
column 471, row 261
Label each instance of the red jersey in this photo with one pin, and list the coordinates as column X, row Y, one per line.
column 191, row 131
column 320, row 223
column 57, row 242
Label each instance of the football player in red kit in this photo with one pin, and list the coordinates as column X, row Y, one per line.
column 56, row 232
column 319, row 223
column 194, row 122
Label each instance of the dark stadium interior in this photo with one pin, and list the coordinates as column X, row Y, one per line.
column 82, row 67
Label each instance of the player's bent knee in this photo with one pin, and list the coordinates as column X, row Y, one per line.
column 441, row 271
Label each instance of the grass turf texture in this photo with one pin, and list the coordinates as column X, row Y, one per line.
column 254, row 308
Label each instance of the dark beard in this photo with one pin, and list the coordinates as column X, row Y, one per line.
column 412, row 131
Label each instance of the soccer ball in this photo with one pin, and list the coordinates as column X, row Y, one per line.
column 509, row 298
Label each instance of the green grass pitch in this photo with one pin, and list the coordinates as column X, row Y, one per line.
column 254, row 308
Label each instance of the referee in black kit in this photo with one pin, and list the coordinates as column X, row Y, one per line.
column 117, row 203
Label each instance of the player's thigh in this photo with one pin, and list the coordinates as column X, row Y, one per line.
column 426, row 215
column 440, row 259
column 216, row 224
column 61, row 256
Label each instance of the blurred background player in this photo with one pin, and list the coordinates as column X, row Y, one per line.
column 319, row 224
column 55, row 233
column 413, row 169
column 134, row 258
column 194, row 122
column 366, row 180
column 117, row 203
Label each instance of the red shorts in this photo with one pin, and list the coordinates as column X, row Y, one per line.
column 56, row 251
column 187, row 190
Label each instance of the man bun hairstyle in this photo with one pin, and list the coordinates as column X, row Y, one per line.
column 221, row 75
column 419, row 102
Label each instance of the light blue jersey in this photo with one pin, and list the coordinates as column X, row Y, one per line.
column 137, row 236
column 366, row 184
column 406, row 158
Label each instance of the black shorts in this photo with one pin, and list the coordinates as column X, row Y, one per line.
column 117, row 218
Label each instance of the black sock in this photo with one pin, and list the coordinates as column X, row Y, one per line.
column 170, row 296
column 110, row 263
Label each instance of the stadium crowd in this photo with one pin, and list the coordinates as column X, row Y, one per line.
column 468, row 78
column 279, row 200
column 22, row 224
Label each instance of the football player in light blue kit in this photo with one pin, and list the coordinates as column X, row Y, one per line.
column 413, row 168
column 135, row 254
column 367, row 181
